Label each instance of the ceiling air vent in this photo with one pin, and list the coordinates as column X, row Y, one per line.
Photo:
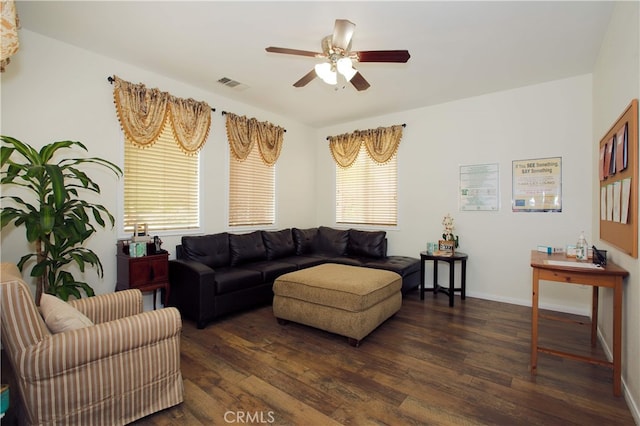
column 232, row 83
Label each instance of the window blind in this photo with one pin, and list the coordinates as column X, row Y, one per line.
column 251, row 191
column 161, row 186
column 366, row 192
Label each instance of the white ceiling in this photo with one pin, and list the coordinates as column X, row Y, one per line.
column 458, row 49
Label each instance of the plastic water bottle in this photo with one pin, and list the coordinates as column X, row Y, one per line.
column 581, row 248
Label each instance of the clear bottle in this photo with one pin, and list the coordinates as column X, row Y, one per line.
column 581, row 248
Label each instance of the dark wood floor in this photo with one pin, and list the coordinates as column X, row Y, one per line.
column 429, row 364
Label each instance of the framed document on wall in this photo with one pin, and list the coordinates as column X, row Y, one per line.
column 537, row 185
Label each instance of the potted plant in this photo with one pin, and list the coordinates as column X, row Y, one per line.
column 58, row 221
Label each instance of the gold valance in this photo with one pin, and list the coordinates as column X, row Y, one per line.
column 381, row 144
column 143, row 112
column 8, row 32
column 243, row 133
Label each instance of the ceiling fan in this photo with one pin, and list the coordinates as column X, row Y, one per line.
column 336, row 50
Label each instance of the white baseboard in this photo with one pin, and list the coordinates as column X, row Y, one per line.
column 586, row 311
column 633, row 407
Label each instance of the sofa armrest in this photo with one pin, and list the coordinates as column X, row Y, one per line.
column 87, row 346
column 193, row 289
column 111, row 306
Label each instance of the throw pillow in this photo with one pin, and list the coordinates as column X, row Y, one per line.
column 60, row 316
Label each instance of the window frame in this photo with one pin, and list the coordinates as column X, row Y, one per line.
column 122, row 234
column 248, row 228
column 368, row 226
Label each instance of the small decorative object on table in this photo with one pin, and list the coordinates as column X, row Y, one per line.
column 448, row 234
column 446, row 248
column 158, row 243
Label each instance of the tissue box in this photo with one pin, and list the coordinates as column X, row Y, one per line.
column 137, row 249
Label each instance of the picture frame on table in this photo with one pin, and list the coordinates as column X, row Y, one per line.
column 446, row 247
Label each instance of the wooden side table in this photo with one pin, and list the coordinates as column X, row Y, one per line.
column 451, row 260
column 147, row 273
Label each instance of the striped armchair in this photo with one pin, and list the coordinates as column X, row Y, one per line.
column 124, row 367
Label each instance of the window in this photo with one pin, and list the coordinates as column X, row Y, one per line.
column 251, row 191
column 161, row 186
column 366, row 192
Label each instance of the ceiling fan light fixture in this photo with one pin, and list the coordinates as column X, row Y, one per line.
column 345, row 67
column 336, row 50
column 326, row 73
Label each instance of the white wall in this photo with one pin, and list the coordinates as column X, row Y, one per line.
column 53, row 91
column 616, row 81
column 545, row 120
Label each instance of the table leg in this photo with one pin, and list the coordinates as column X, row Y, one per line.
column 617, row 337
column 534, row 322
column 422, row 284
column 435, row 277
column 594, row 316
column 452, row 269
column 464, row 279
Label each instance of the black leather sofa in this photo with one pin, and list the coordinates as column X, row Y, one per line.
column 218, row 274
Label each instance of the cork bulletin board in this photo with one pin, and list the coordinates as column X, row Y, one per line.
column 618, row 175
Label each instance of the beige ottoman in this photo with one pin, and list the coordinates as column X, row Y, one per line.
column 346, row 300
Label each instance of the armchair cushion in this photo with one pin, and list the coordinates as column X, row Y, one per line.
column 60, row 316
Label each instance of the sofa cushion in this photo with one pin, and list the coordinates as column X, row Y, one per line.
column 229, row 279
column 402, row 265
column 302, row 261
column 61, row 316
column 246, row 248
column 366, row 243
column 270, row 270
column 305, row 240
column 278, row 243
column 333, row 241
column 212, row 250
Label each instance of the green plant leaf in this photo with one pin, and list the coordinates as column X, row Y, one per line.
column 47, row 219
column 27, row 152
column 47, row 151
column 5, row 153
column 57, row 184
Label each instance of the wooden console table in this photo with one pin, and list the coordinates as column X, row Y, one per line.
column 557, row 267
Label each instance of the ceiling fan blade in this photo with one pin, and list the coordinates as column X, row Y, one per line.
column 359, row 82
column 383, row 55
column 294, row 52
column 342, row 33
column 306, row 79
